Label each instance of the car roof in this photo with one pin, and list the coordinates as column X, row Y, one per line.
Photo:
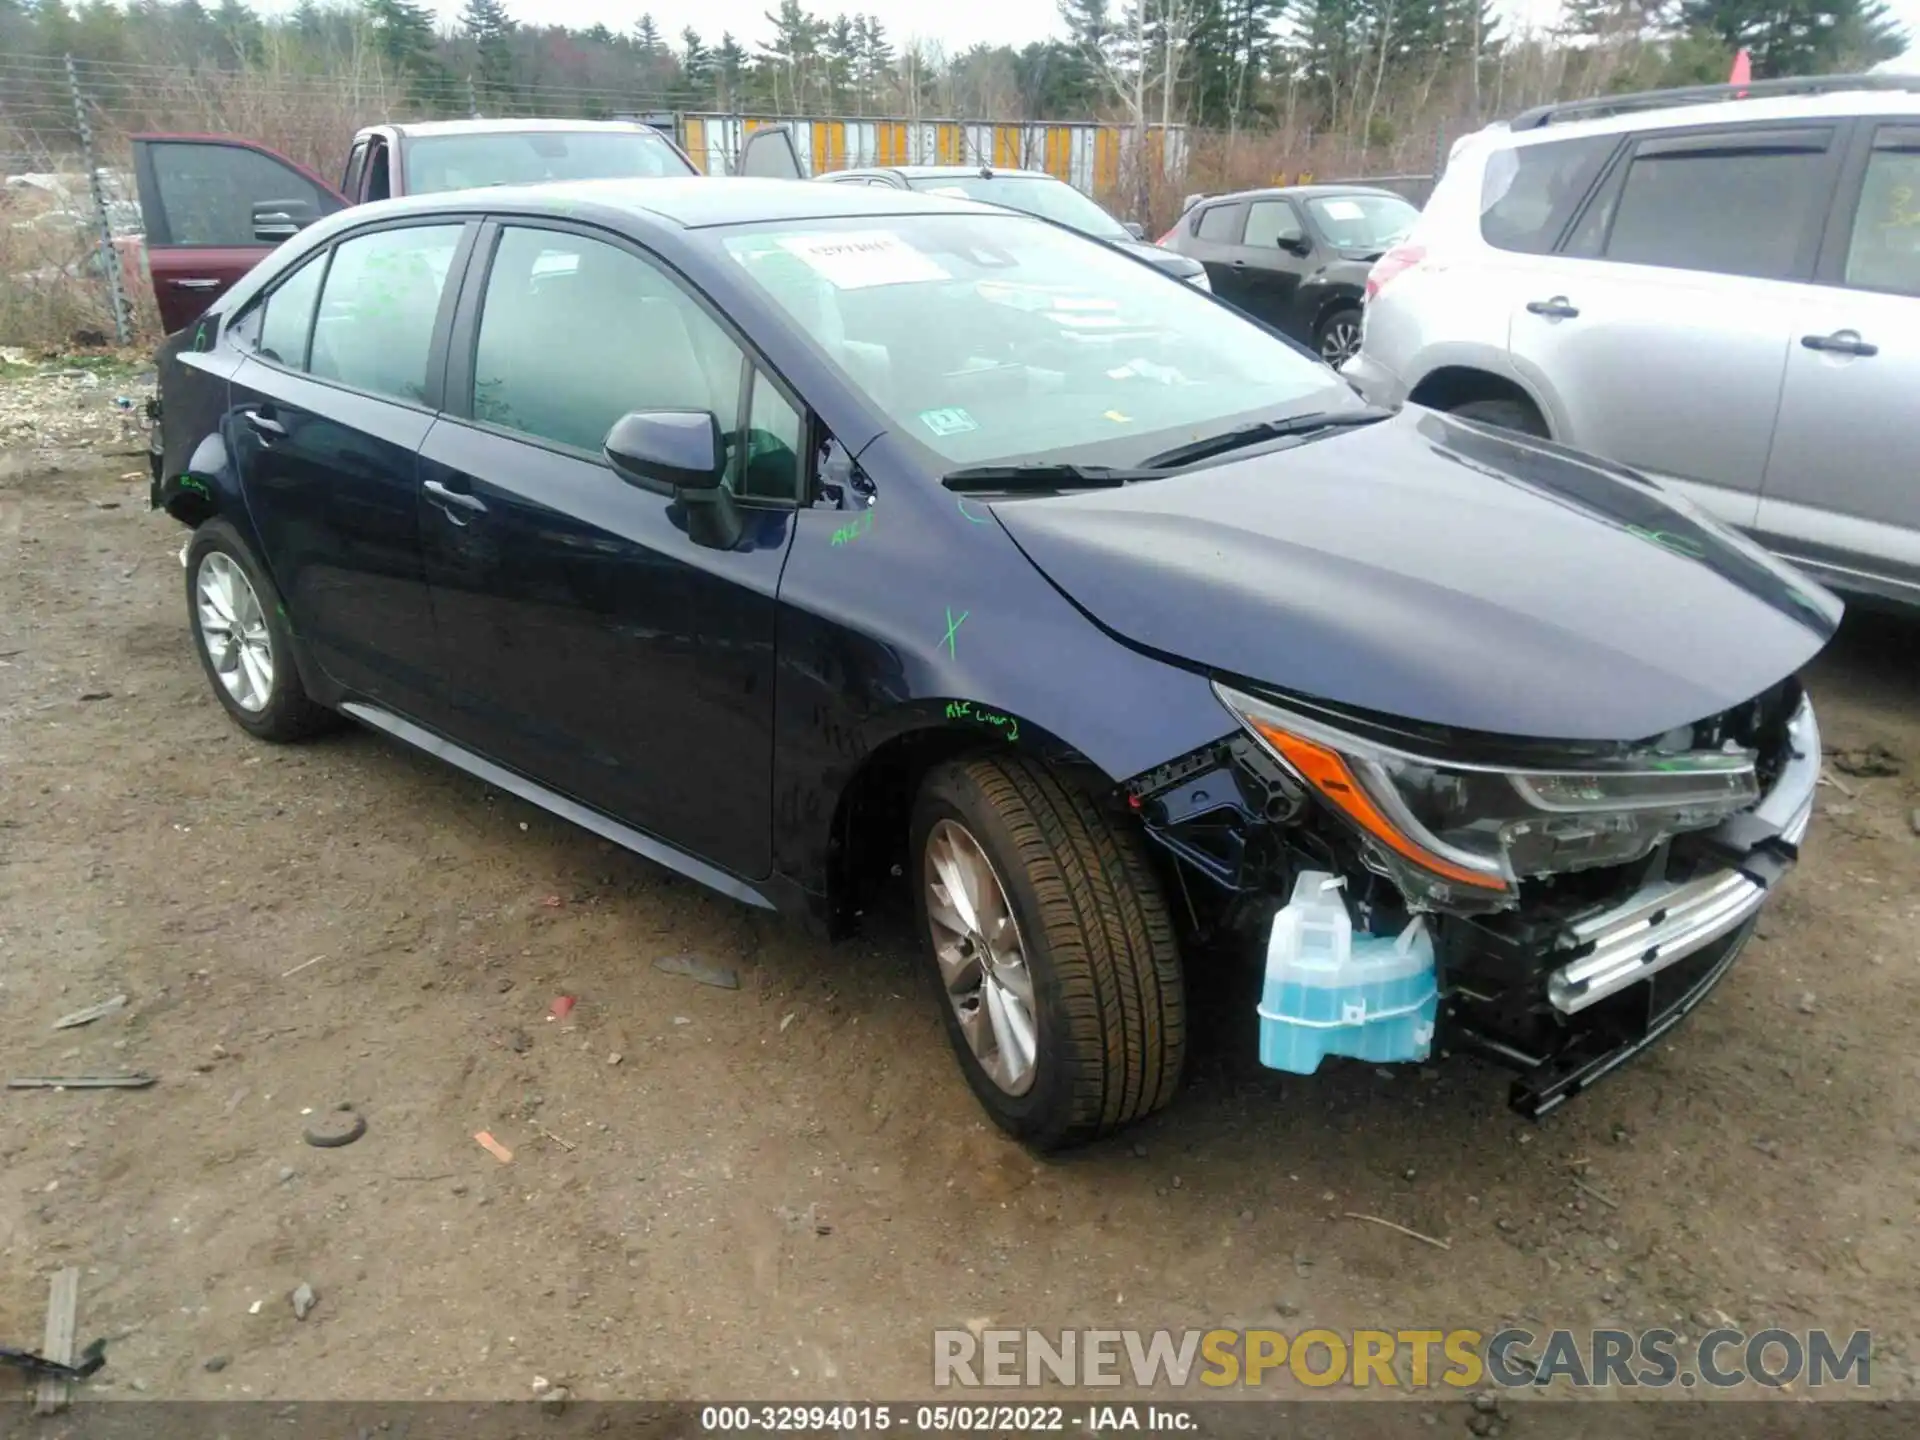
column 1299, row 192
column 1646, row 112
column 694, row 202
column 508, row 127
column 955, row 172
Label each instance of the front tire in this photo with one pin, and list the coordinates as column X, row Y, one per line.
column 245, row 643
column 1504, row 414
column 1051, row 950
column 1338, row 338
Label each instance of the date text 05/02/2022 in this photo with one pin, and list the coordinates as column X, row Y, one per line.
column 946, row 1419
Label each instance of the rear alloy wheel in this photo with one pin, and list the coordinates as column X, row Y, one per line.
column 1339, row 337
column 245, row 643
column 1053, row 953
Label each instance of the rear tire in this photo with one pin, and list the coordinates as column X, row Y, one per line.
column 1080, row 933
column 1505, row 414
column 245, row 642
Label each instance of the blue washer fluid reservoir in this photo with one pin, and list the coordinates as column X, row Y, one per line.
column 1330, row 992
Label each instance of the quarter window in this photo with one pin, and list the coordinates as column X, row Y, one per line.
column 377, row 311
column 1884, row 253
column 287, row 317
column 769, row 467
column 1529, row 191
column 575, row 333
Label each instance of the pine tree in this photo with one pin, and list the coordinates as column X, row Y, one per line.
column 729, row 71
column 241, row 32
column 876, row 59
column 1797, row 37
column 841, row 50
column 485, row 23
column 792, row 52
column 646, row 37
column 696, row 70
column 402, row 33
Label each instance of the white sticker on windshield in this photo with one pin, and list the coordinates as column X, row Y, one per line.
column 1343, row 210
column 861, row 259
column 954, row 190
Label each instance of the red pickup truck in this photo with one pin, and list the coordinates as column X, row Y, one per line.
column 213, row 205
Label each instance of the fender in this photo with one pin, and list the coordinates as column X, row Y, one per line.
column 874, row 664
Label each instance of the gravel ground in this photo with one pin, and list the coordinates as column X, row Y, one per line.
column 782, row 1189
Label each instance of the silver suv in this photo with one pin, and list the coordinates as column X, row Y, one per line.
column 1718, row 286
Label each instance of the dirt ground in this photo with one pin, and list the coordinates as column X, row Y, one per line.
column 781, row 1190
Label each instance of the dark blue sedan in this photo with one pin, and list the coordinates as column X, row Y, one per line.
column 802, row 537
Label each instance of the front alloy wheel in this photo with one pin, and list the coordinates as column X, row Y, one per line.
column 1051, row 949
column 976, row 942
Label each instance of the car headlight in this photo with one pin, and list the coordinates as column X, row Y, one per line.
column 1464, row 835
column 1201, row 282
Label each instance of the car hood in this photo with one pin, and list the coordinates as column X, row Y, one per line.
column 1437, row 571
column 1161, row 258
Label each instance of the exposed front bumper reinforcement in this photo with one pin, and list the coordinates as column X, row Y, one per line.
column 1636, row 968
column 1664, row 923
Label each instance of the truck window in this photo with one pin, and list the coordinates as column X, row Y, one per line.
column 356, row 164
column 379, row 184
column 530, row 157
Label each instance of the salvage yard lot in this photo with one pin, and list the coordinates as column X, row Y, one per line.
column 781, row 1190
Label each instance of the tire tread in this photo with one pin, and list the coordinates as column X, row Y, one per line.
column 1110, row 940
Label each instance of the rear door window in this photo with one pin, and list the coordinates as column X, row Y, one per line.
column 379, row 307
column 1220, row 224
column 1883, row 252
column 1529, row 192
column 1738, row 202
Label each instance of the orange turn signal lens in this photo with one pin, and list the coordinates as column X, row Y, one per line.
column 1327, row 771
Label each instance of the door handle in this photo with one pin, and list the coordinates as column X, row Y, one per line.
column 1555, row 309
column 1840, row 342
column 444, row 497
column 199, row 283
column 264, row 424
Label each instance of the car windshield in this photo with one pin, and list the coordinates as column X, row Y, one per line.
column 1035, row 194
column 1363, row 222
column 992, row 339
column 529, row 157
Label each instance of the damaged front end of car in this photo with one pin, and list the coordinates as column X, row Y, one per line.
column 1576, row 900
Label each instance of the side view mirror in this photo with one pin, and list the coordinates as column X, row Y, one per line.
column 1136, row 230
column 1296, row 244
column 667, row 451
column 277, row 220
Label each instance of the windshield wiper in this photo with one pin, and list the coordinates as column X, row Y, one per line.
column 1242, row 436
column 1018, row 479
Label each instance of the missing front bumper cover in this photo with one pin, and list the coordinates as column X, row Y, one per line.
column 1635, row 968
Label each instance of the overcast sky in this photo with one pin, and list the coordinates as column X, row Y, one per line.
column 956, row 26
